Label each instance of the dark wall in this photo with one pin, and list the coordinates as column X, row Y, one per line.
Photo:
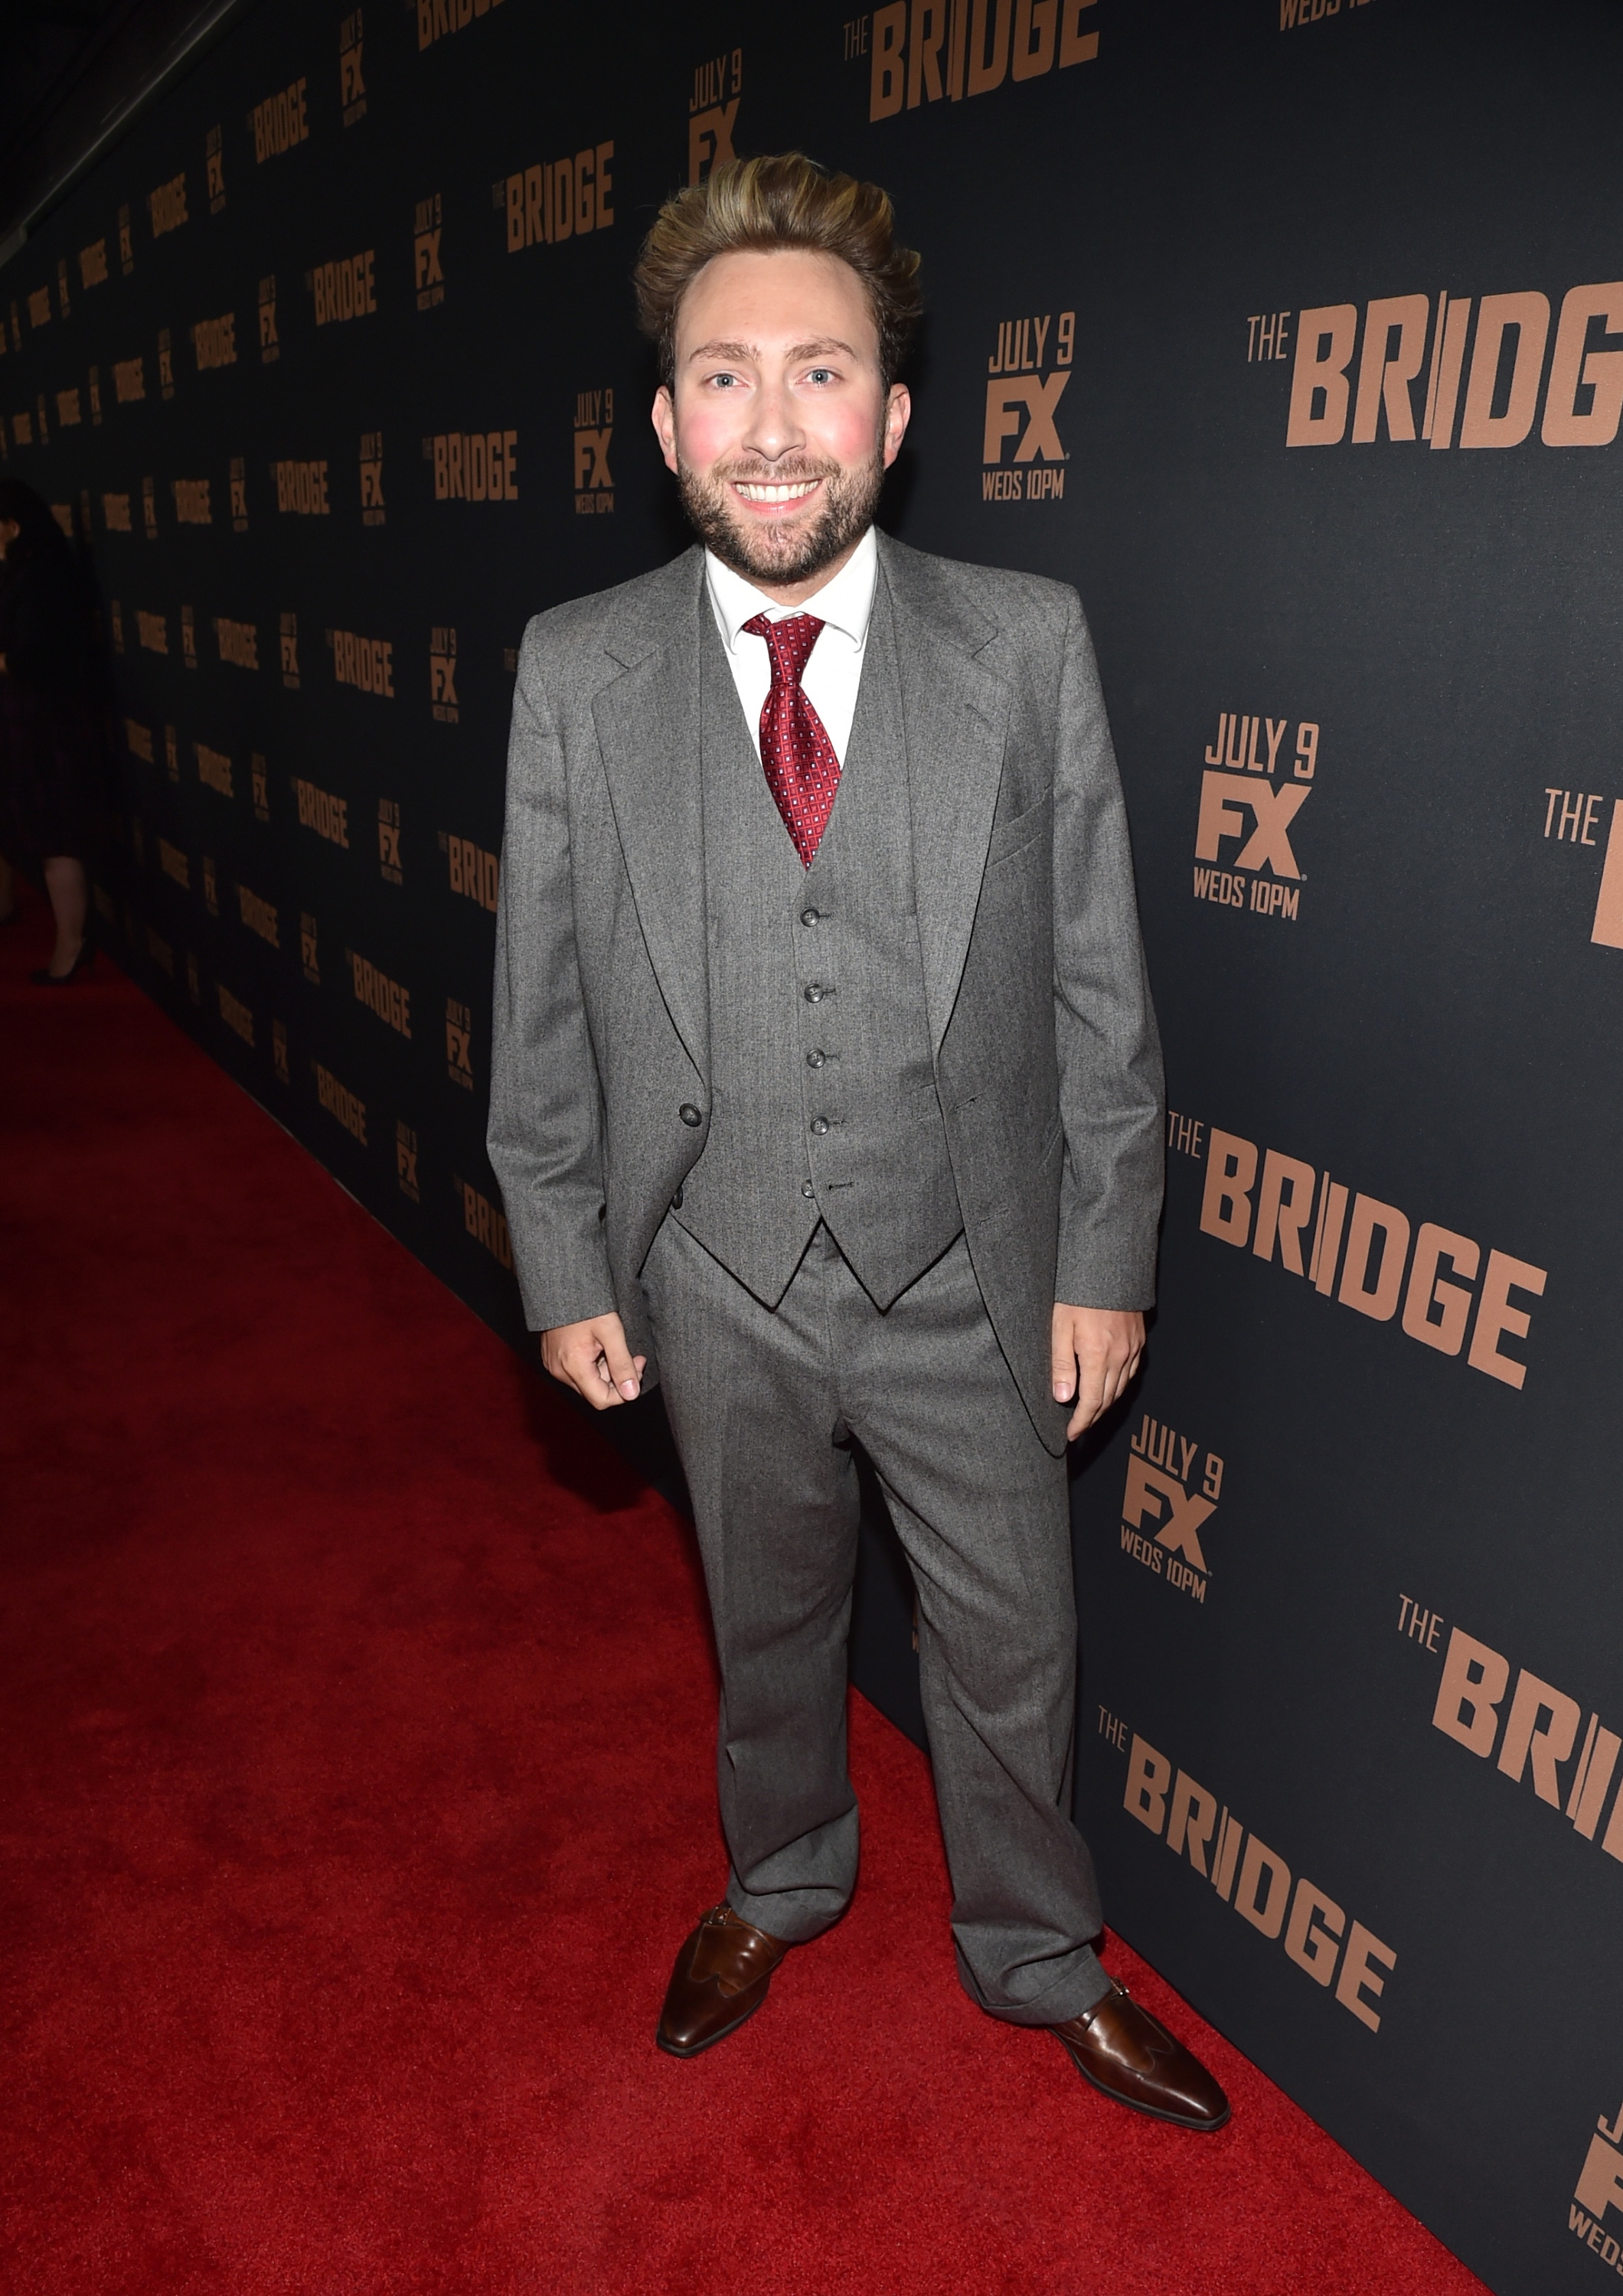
column 1352, row 1707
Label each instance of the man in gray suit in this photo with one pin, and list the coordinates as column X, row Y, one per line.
column 825, row 1066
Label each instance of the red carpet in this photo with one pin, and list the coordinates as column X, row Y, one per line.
column 358, row 1791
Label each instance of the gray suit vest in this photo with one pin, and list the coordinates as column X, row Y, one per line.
column 823, row 1102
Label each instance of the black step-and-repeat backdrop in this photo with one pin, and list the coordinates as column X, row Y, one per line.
column 1290, row 330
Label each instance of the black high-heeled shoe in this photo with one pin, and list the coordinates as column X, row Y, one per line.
column 43, row 977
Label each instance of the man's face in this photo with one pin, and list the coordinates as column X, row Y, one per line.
column 780, row 429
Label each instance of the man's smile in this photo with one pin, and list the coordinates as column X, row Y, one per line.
column 796, row 490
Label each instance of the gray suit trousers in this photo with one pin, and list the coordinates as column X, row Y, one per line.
column 764, row 1404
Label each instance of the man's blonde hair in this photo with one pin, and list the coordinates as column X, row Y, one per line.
column 786, row 201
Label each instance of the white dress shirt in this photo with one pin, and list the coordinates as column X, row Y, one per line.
column 834, row 670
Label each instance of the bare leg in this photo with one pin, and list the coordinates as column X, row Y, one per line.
column 65, row 883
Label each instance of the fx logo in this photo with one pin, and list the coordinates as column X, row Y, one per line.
column 1151, row 1491
column 711, row 116
column 594, row 427
column 459, row 1041
column 1273, row 810
column 442, row 674
column 1599, row 2187
column 351, row 86
column 405, row 1161
column 710, row 139
column 426, row 274
column 307, row 949
column 1021, row 402
column 1022, row 344
column 372, row 477
column 1004, row 400
column 389, row 842
column 592, row 459
column 1159, row 1465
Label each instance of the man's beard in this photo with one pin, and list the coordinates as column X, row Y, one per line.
column 775, row 553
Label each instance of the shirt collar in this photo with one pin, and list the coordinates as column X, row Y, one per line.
column 844, row 603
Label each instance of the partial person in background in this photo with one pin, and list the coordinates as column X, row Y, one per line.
column 49, row 743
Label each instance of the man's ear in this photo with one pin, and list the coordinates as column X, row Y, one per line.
column 663, row 412
column 898, row 413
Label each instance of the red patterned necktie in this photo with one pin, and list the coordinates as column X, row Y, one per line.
column 802, row 770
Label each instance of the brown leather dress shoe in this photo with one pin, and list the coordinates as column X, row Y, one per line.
column 721, row 1978
column 1130, row 2055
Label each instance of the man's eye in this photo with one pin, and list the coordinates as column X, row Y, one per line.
column 820, row 375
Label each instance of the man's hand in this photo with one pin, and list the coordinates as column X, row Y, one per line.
column 1095, row 1353
column 591, row 1357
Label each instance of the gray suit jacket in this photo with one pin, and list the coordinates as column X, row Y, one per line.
column 1046, row 1060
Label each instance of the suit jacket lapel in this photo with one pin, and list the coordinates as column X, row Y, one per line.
column 649, row 734
column 955, row 714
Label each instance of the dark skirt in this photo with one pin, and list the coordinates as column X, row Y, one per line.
column 49, row 759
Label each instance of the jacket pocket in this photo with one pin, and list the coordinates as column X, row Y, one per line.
column 1013, row 837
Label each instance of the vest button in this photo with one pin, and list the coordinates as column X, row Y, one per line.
column 814, row 992
column 689, row 1114
column 806, row 1188
column 819, row 1125
column 810, row 916
column 815, row 1059
column 676, row 1202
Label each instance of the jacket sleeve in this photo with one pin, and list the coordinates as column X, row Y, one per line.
column 1112, row 1098
column 545, row 1128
